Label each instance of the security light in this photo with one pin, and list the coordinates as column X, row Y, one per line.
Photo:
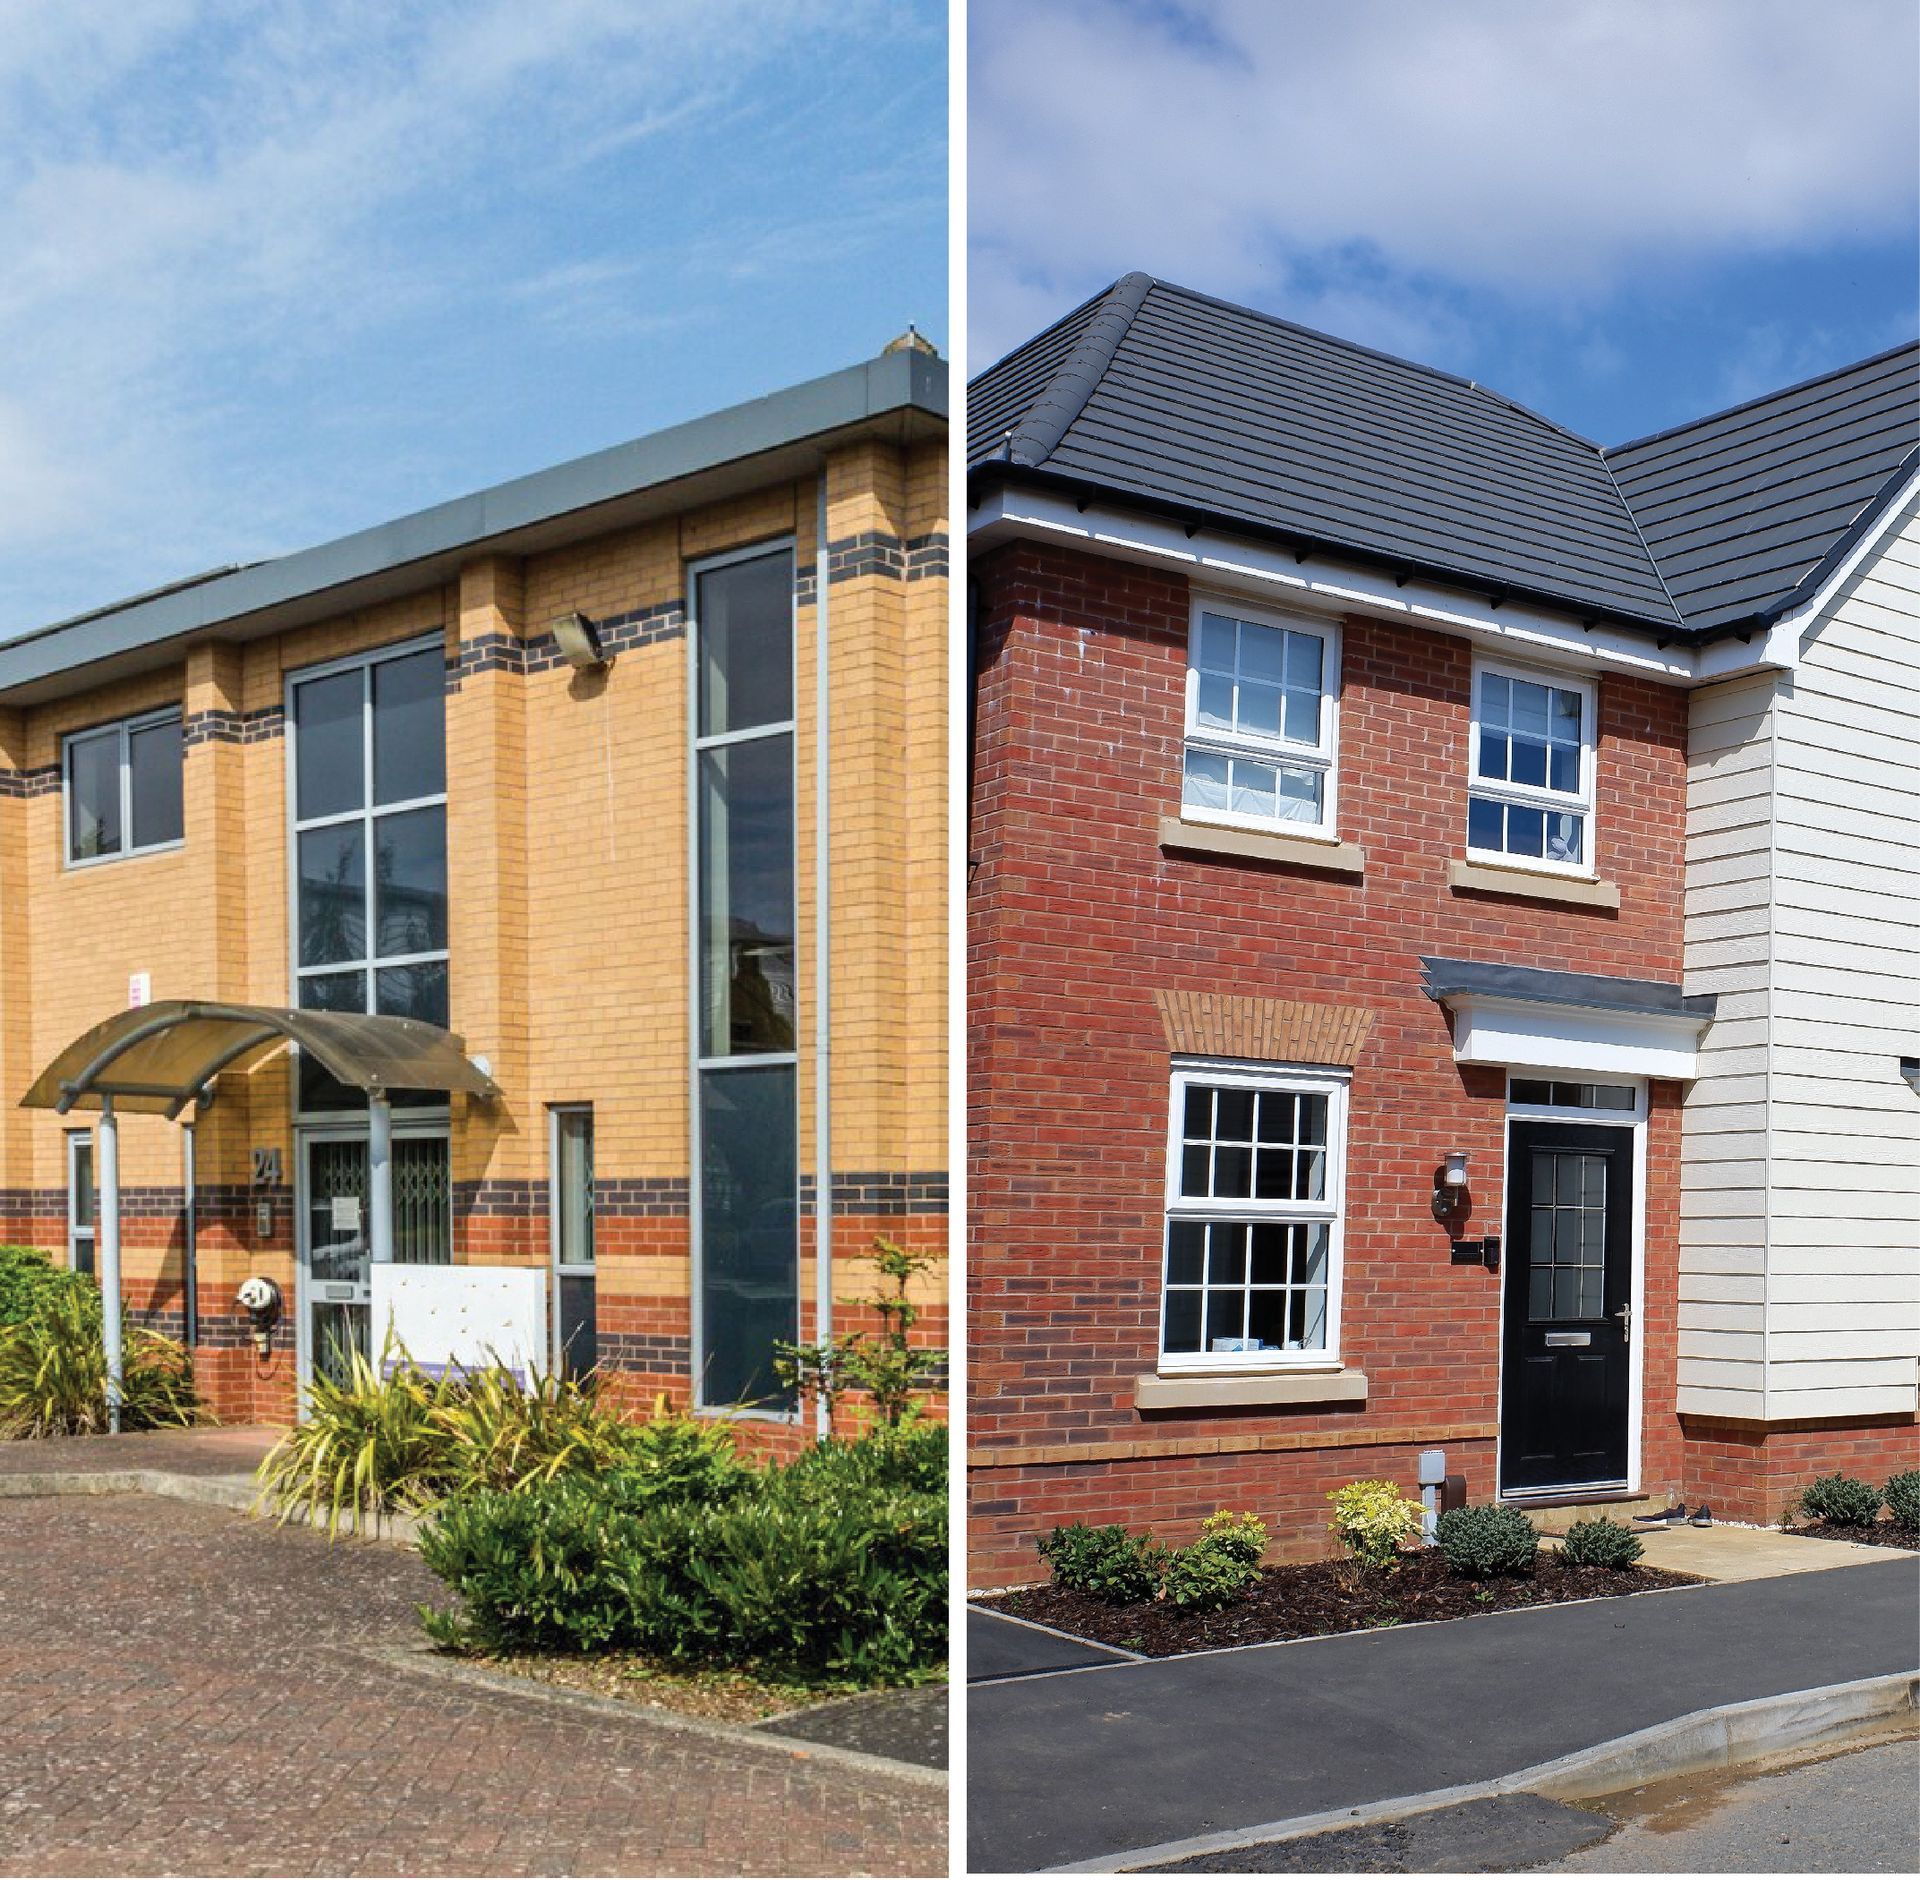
column 1455, row 1175
column 579, row 641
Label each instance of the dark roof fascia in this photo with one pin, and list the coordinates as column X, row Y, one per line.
column 1447, row 978
column 565, row 501
column 1816, row 577
column 996, row 471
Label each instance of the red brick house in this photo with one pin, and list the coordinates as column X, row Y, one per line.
column 1329, row 1022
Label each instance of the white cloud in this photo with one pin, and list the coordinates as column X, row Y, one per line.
column 1347, row 151
column 190, row 186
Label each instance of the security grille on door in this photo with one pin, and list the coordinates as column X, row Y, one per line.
column 422, row 1203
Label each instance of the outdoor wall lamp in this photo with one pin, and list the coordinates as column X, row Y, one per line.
column 1450, row 1196
column 579, row 642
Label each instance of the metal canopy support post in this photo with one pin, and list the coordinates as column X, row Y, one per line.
column 107, row 1139
column 190, row 1233
column 380, row 1180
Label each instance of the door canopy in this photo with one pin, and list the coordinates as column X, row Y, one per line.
column 161, row 1057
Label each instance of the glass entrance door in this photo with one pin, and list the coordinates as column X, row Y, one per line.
column 336, row 1239
column 334, row 1248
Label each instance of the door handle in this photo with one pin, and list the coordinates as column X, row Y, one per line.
column 1625, row 1316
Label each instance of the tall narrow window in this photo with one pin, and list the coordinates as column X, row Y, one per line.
column 575, row 1329
column 124, row 788
column 1530, row 798
column 80, row 1201
column 745, row 1108
column 1259, row 728
column 1254, row 1181
column 370, row 842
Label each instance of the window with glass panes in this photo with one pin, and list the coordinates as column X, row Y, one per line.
column 746, row 1121
column 369, row 796
column 575, row 1327
column 1530, row 796
column 125, row 788
column 1259, row 728
column 1255, row 1164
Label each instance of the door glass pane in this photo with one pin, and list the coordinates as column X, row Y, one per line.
column 337, row 1213
column 745, row 628
column 410, row 882
column 410, row 727
column 749, row 1265
column 93, row 796
column 746, row 898
column 153, row 758
column 333, row 895
column 329, row 761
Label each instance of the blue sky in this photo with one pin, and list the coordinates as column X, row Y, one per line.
column 1625, row 213
column 278, row 269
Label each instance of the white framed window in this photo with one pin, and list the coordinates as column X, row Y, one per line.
column 1530, row 765
column 82, row 1198
column 570, row 1218
column 1256, row 1166
column 1261, row 724
column 123, row 788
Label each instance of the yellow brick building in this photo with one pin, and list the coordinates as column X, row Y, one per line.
column 542, row 766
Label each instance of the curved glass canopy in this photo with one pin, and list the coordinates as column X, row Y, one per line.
column 160, row 1057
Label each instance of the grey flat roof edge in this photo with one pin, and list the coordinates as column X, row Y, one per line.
column 894, row 382
column 1447, row 978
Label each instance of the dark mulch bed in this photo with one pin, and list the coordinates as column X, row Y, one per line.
column 1880, row 1534
column 1317, row 1600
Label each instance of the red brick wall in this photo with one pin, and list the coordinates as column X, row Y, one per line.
column 1752, row 1471
column 1077, row 915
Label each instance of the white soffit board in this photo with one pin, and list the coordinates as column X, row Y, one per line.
column 1326, row 583
column 1524, row 1034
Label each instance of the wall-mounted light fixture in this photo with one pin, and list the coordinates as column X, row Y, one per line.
column 1450, row 1186
column 579, row 642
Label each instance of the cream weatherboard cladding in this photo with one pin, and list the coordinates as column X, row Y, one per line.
column 1800, row 1267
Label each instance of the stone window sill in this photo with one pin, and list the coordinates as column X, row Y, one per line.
column 1246, row 1390
column 1336, row 858
column 1526, row 885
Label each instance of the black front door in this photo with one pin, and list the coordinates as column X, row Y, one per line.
column 1563, row 1392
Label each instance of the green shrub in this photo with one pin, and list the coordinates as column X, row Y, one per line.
column 1487, row 1543
column 1107, row 1562
column 29, row 1279
column 1902, row 1496
column 1601, row 1543
column 1244, row 1536
column 53, row 1370
column 1207, row 1574
column 815, row 1569
column 1844, row 1500
column 500, row 1432
column 1372, row 1520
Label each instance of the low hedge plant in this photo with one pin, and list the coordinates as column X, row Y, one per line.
column 1488, row 1543
column 1902, row 1496
column 830, row 1567
column 53, row 1367
column 1844, row 1500
column 1601, row 1543
column 1108, row 1563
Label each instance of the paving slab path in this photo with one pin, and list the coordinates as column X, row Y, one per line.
column 187, row 1691
column 1084, row 1765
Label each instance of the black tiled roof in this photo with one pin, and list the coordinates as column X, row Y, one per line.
column 1190, row 405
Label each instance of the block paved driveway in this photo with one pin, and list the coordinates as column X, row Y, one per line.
column 186, row 1691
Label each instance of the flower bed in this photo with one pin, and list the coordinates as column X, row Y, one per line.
column 1873, row 1534
column 1321, row 1599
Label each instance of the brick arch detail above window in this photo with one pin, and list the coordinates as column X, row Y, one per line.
column 1279, row 1031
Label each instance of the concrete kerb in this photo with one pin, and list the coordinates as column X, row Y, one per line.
column 1725, row 1736
column 424, row 1661
column 239, row 1493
